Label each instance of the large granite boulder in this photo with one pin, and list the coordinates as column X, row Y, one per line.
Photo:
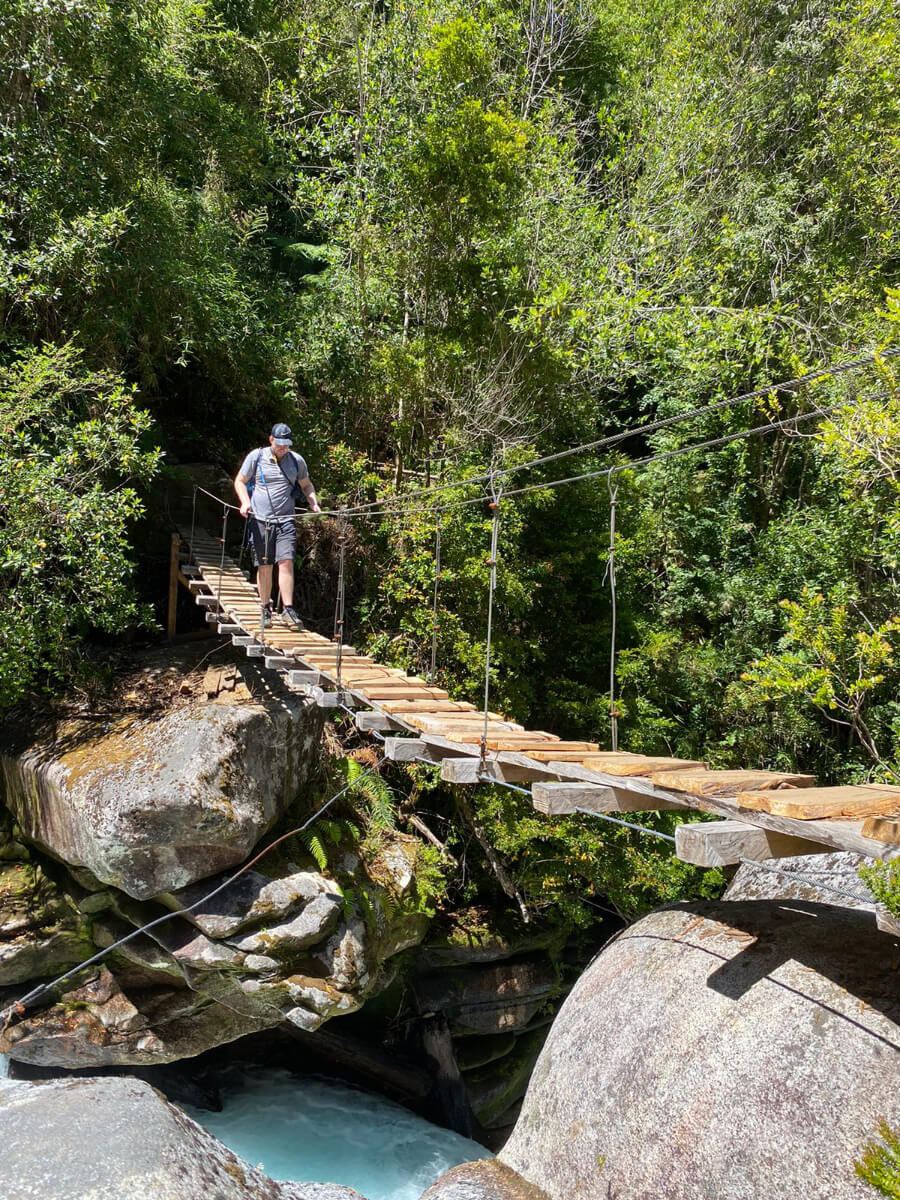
column 824, row 878
column 727, row 1051
column 152, row 802
column 487, row 1179
column 119, row 1139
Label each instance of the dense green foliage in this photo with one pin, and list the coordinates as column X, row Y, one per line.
column 432, row 238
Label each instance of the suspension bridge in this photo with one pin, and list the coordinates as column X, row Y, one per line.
column 761, row 816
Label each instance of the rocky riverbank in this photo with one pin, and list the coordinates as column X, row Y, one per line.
column 143, row 806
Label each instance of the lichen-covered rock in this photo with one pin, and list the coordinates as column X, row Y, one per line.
column 119, row 1139
column 41, row 930
column 494, row 1089
column 151, row 804
column 728, row 1051
column 252, row 899
column 318, row 917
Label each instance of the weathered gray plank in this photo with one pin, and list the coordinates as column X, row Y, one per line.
column 563, row 797
column 722, row 843
column 468, row 770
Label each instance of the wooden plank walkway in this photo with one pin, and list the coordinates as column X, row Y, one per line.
column 767, row 814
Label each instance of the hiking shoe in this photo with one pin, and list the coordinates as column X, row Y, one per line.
column 266, row 619
column 291, row 618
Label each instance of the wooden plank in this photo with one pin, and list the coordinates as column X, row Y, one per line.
column 554, row 799
column 524, row 742
column 822, row 803
column 440, row 722
column 882, row 829
column 469, row 771
column 399, row 691
column 426, row 706
column 403, row 749
column 723, row 843
column 367, row 722
column 303, row 678
column 212, row 681
column 632, row 764
column 729, row 783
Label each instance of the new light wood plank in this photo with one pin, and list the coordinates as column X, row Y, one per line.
column 401, row 691
column 822, row 803
column 631, row 764
column 728, row 783
column 883, row 829
column 425, row 706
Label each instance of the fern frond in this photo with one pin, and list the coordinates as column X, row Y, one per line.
column 312, row 840
column 380, row 800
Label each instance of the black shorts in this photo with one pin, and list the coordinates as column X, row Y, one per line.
column 273, row 539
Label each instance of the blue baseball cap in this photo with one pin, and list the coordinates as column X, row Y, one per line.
column 282, row 434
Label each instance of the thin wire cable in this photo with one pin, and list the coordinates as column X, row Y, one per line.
column 36, row 993
column 610, row 574
column 492, row 584
column 794, row 384
column 434, row 613
column 339, row 605
column 222, row 560
column 193, row 522
column 710, row 443
column 627, row 824
column 400, row 503
column 809, row 880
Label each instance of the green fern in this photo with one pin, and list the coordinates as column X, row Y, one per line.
column 390, row 905
column 312, row 840
column 380, row 800
column 880, row 1162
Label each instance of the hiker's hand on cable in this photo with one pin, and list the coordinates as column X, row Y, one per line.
column 314, row 506
column 245, row 508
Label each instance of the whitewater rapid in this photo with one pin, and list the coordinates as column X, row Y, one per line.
column 323, row 1131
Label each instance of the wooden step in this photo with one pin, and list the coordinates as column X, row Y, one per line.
column 810, row 804
column 882, row 829
column 426, row 706
column 395, row 691
column 729, row 783
column 626, row 764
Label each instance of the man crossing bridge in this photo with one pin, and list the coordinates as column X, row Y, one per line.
column 268, row 484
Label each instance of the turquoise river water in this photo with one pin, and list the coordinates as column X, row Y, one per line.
column 321, row 1130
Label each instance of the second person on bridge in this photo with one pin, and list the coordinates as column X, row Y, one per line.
column 268, row 484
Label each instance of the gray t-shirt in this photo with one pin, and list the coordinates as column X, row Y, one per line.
column 272, row 482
